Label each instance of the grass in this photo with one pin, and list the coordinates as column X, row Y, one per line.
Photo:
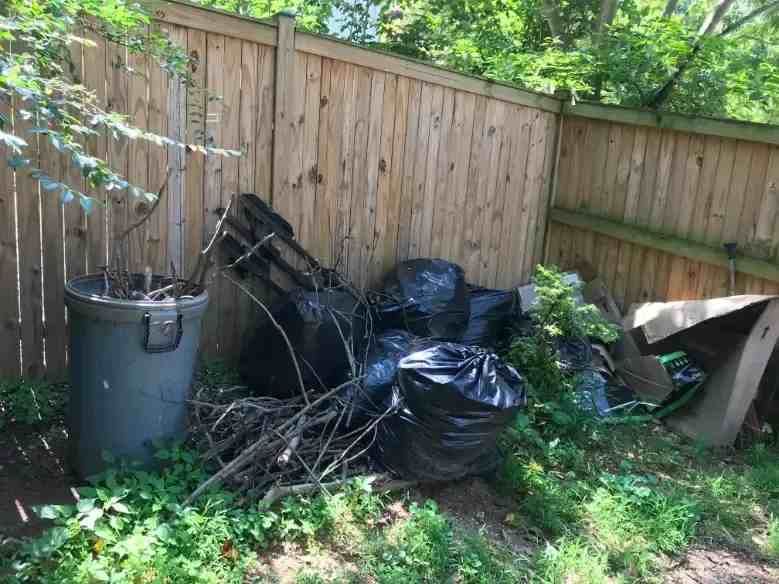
column 606, row 503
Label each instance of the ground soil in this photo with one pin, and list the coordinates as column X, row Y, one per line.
column 33, row 471
column 721, row 566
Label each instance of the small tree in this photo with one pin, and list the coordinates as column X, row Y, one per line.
column 36, row 85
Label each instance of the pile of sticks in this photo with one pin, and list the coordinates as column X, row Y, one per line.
column 267, row 448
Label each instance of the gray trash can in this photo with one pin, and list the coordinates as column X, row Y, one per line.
column 131, row 367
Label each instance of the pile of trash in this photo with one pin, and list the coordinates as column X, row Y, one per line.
column 402, row 380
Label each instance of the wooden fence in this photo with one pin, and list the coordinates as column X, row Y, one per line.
column 648, row 202
column 372, row 158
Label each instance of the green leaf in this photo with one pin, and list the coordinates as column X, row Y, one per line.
column 89, row 519
column 120, row 507
column 85, row 505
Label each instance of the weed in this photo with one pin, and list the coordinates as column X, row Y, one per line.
column 772, row 540
column 31, row 402
column 570, row 561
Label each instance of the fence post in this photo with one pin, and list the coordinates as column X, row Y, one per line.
column 284, row 88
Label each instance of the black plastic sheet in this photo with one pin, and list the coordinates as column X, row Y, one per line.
column 453, row 401
column 427, row 297
column 320, row 326
column 490, row 315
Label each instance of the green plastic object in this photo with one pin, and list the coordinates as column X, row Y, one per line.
column 131, row 367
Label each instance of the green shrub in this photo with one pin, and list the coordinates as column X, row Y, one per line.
column 31, row 402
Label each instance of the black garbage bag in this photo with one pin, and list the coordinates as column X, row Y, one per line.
column 317, row 324
column 491, row 314
column 427, row 297
column 453, row 401
column 374, row 394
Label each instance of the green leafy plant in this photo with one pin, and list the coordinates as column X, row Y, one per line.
column 31, row 402
column 44, row 103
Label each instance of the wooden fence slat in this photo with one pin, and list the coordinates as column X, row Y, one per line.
column 469, row 251
column 443, row 198
column 117, row 99
column 263, row 174
column 228, row 317
column 457, row 177
column 426, row 114
column 212, row 180
column 496, row 215
column 367, row 237
column 95, row 67
column 30, row 269
column 53, row 274
column 307, row 230
column 194, row 164
column 138, row 160
column 384, row 232
column 9, row 300
column 409, row 159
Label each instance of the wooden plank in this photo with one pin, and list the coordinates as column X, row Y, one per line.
column 484, row 189
column 194, row 163
column 494, row 215
column 75, row 220
column 212, row 180
column 137, row 160
column 117, row 97
column 228, row 324
column 323, row 178
column 53, row 274
column 457, row 173
column 409, row 158
column 437, row 122
column 627, row 252
column 665, row 243
column 534, row 191
column 30, row 269
column 444, row 196
column 572, row 166
column 394, row 103
column 736, row 198
column 263, row 159
column 367, row 241
column 10, row 357
column 167, row 116
column 548, row 188
column 249, row 114
column 480, row 145
column 682, row 276
column 284, row 94
column 749, row 213
column 307, row 228
column 394, row 166
column 766, row 133
column 426, row 106
column 95, row 61
column 603, row 194
column 207, row 19
column 330, row 148
column 716, row 282
column 355, row 162
column 769, row 206
column 388, row 63
column 706, row 186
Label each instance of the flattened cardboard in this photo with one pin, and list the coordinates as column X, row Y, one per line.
column 660, row 320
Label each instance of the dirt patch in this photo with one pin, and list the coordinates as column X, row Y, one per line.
column 719, row 566
column 475, row 506
column 286, row 563
column 33, row 471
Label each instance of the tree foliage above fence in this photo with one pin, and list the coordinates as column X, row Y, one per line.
column 713, row 57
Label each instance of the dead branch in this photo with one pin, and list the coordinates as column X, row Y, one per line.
column 384, row 484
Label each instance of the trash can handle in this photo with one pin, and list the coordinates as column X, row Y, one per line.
column 163, row 348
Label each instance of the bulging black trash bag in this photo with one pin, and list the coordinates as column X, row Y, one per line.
column 490, row 316
column 374, row 394
column 427, row 297
column 453, row 401
column 311, row 321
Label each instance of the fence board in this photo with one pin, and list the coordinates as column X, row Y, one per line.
column 9, row 298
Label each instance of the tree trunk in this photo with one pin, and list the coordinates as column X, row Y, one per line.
column 551, row 13
column 670, row 8
column 708, row 26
